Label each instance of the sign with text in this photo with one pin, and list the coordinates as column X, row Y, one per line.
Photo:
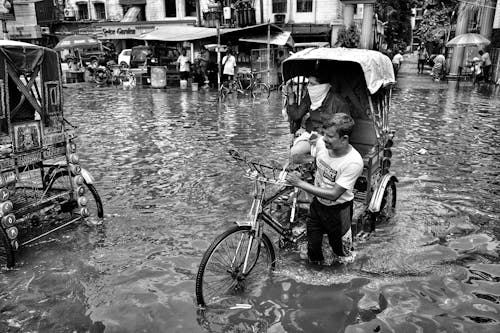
column 7, row 10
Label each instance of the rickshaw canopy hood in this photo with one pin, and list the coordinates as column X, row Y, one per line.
column 26, row 57
column 377, row 68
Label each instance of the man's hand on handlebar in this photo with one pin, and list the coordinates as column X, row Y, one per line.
column 294, row 179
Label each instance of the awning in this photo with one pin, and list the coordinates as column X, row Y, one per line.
column 132, row 2
column 180, row 33
column 277, row 38
column 132, row 14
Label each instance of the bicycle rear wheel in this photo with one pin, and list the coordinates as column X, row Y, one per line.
column 223, row 92
column 220, row 277
column 260, row 90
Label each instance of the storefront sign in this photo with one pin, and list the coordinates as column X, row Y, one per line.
column 125, row 31
column 27, row 32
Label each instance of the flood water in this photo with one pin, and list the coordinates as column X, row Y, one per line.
column 162, row 169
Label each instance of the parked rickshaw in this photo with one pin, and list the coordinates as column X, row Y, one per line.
column 238, row 259
column 43, row 188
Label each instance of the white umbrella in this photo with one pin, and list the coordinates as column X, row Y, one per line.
column 468, row 39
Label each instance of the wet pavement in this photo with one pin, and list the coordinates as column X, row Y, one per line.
column 160, row 163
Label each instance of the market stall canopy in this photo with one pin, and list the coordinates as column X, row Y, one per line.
column 468, row 39
column 213, row 47
column 376, row 67
column 181, row 33
column 277, row 38
column 76, row 41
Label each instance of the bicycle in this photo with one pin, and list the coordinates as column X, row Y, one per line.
column 239, row 257
column 114, row 74
column 245, row 84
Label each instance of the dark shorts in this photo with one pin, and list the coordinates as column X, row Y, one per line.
column 335, row 221
column 184, row 75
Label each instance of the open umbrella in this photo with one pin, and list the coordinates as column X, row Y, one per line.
column 468, row 39
column 76, row 41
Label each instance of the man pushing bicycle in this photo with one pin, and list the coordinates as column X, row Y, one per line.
column 338, row 167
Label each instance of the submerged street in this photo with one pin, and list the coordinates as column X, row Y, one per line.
column 169, row 188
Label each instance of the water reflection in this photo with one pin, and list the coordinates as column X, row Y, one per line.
column 169, row 188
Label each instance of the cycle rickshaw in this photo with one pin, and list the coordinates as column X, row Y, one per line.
column 238, row 259
column 43, row 188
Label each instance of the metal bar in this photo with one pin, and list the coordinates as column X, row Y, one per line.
column 272, row 223
column 51, row 231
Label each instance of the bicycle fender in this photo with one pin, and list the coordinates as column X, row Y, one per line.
column 243, row 223
column 377, row 196
column 87, row 176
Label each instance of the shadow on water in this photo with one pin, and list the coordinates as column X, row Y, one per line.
column 160, row 163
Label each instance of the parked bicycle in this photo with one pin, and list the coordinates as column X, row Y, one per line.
column 246, row 84
column 115, row 75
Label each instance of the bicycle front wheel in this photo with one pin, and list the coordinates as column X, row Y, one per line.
column 260, row 90
column 221, row 277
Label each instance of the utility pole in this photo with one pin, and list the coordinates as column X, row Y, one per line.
column 4, row 30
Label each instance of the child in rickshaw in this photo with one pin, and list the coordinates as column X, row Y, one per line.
column 338, row 167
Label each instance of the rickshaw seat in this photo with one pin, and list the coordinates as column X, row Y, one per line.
column 363, row 137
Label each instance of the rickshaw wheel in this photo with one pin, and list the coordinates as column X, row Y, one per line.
column 388, row 202
column 62, row 179
column 6, row 251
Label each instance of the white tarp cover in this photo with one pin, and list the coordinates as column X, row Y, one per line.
column 180, row 33
column 132, row 14
column 376, row 66
column 277, row 38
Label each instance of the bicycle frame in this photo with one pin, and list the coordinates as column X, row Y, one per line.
column 257, row 217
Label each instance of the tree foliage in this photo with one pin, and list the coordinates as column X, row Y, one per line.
column 348, row 37
column 395, row 14
column 436, row 22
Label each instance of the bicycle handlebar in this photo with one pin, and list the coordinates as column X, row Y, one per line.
column 262, row 172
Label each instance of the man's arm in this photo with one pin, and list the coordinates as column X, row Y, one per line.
column 326, row 193
column 294, row 110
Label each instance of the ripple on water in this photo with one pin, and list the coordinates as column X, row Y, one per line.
column 160, row 163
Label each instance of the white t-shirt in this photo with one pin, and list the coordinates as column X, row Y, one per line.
column 485, row 58
column 398, row 58
column 183, row 63
column 229, row 64
column 343, row 171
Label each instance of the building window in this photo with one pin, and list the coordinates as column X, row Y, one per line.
column 304, row 6
column 83, row 11
column 170, row 10
column 134, row 13
column 100, row 11
column 190, row 7
column 279, row 6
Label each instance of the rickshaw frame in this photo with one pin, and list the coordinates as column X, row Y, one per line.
column 42, row 185
column 364, row 78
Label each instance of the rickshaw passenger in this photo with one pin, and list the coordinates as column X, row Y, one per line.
column 320, row 101
column 338, row 167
